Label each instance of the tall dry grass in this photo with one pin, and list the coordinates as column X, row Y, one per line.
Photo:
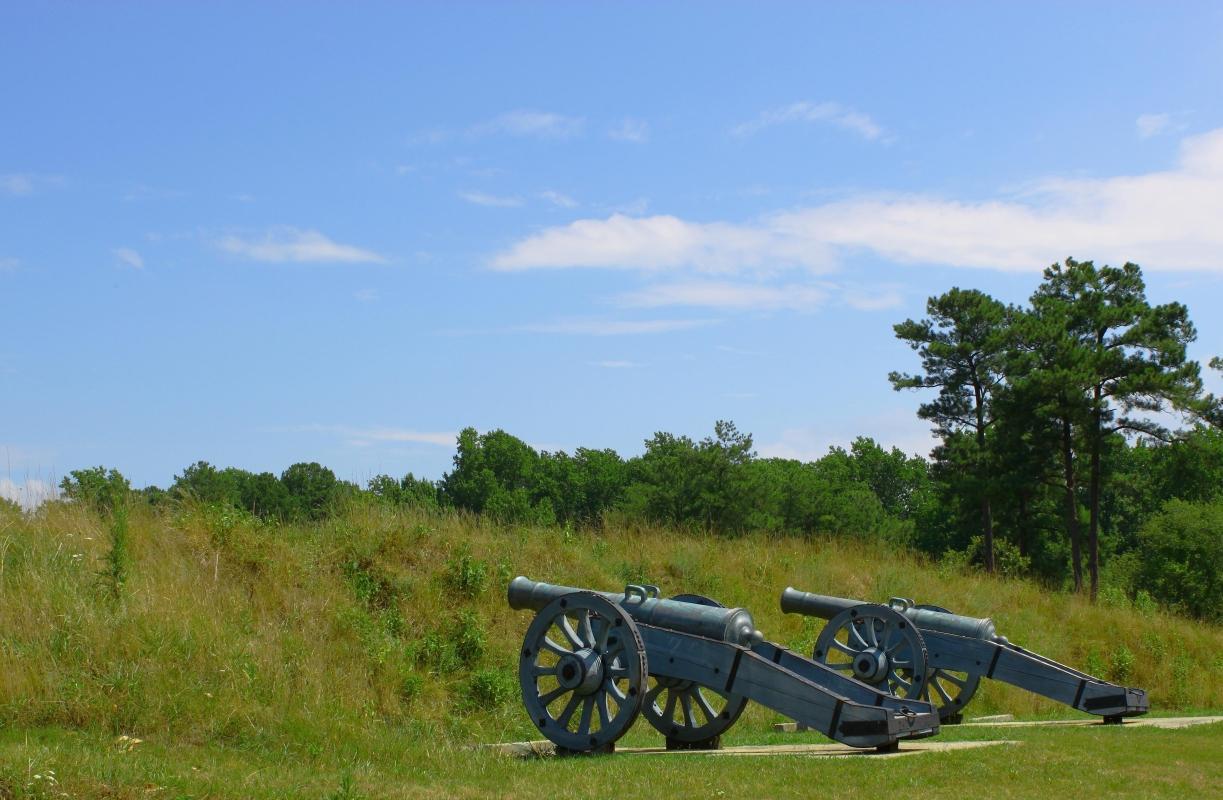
column 300, row 637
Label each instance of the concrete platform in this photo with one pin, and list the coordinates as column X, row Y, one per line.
column 544, row 749
column 1168, row 723
column 1008, row 721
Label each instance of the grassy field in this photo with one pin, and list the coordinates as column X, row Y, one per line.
column 360, row 656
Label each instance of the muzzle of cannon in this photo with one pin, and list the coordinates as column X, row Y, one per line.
column 926, row 652
column 592, row 661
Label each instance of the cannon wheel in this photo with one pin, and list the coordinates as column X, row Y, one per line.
column 948, row 691
column 877, row 645
column 583, row 672
column 676, row 708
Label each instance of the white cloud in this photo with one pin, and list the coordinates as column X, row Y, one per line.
column 727, row 295
column 558, row 199
column 366, row 295
column 601, row 327
column 1161, row 220
column 615, row 364
column 491, row 200
column 8, row 264
column 30, row 494
column 1152, row 124
column 631, row 130
column 826, row 113
column 129, row 257
column 287, row 244
column 660, row 243
column 527, row 122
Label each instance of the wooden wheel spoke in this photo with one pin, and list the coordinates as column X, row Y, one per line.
column 588, row 707
column 567, row 628
column 704, row 705
column 546, row 699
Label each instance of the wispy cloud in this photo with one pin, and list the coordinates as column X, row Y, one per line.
column 128, row 257
column 615, row 364
column 366, row 295
column 491, row 200
column 605, row 327
column 293, row 245
column 631, row 130
column 878, row 298
column 1149, row 125
column 739, row 296
column 365, row 436
column 25, row 183
column 1162, row 220
column 532, row 123
column 898, row 428
column 833, row 114
column 9, row 264
column 558, row 199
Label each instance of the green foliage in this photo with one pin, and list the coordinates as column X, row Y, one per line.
column 488, row 689
column 117, row 557
column 459, row 643
column 101, row 489
column 466, row 576
column 1121, row 665
column 1182, row 557
column 408, row 491
column 347, row 790
column 313, row 489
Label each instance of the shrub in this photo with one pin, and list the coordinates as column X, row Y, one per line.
column 489, row 688
column 101, row 489
column 1182, row 557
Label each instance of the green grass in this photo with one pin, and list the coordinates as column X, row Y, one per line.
column 1047, row 762
column 361, row 655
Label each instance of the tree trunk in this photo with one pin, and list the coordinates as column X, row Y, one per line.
column 987, row 516
column 1093, row 525
column 1072, row 507
column 987, row 523
column 1025, row 523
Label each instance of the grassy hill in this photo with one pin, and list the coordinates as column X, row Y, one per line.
column 383, row 634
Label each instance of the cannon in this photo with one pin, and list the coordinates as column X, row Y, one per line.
column 592, row 661
column 926, row 652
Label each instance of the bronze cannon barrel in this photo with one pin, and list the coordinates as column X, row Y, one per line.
column 733, row 625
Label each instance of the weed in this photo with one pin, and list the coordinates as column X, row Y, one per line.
column 1144, row 603
column 633, row 573
column 117, row 556
column 469, row 638
column 347, row 790
column 1121, row 668
column 490, row 688
column 1182, row 671
column 466, row 575
column 410, row 687
column 1094, row 664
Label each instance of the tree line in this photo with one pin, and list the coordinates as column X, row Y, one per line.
column 1052, row 448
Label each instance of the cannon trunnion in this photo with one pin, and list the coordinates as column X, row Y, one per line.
column 592, row 661
column 926, row 652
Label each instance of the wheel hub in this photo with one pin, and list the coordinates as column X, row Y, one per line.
column 581, row 671
column 871, row 665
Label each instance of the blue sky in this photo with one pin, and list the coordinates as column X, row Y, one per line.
column 288, row 232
